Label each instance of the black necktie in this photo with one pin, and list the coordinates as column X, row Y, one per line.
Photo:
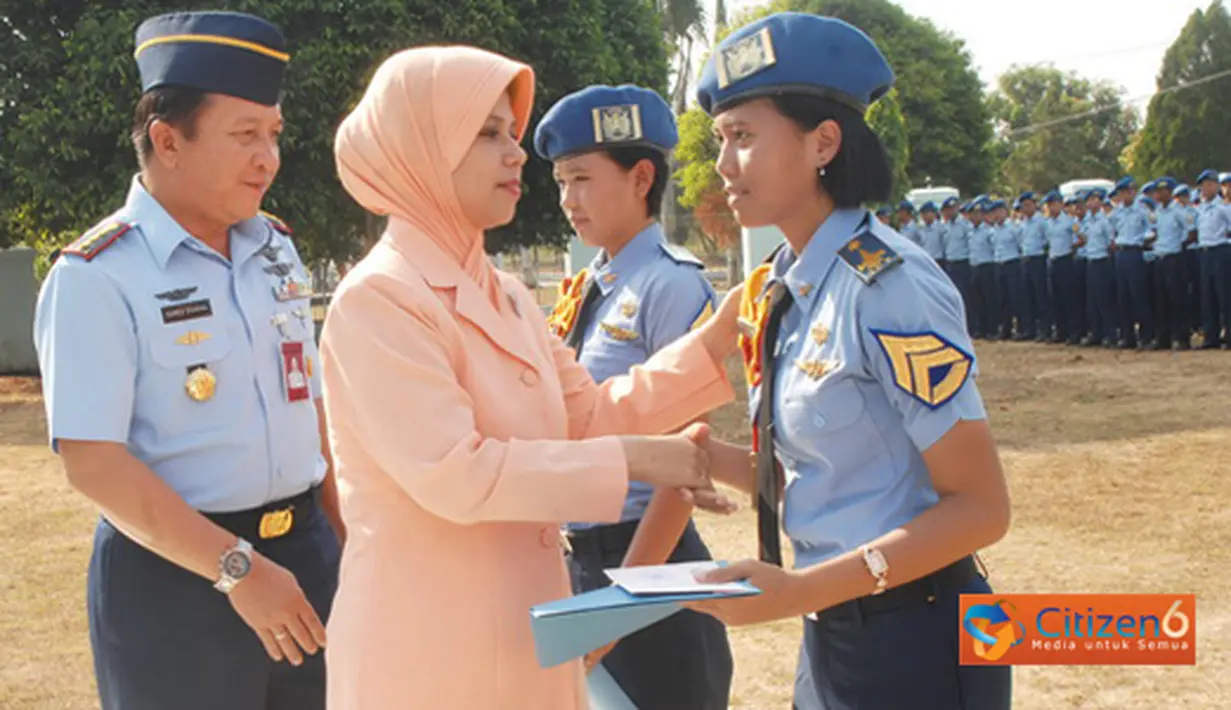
column 574, row 337
column 769, row 547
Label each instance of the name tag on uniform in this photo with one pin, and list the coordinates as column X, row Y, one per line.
column 294, row 371
column 187, row 311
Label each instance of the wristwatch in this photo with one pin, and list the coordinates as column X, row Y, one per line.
column 877, row 567
column 233, row 566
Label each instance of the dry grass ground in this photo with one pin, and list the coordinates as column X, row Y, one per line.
column 1118, row 466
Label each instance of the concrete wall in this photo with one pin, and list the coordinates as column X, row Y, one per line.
column 18, row 292
column 758, row 242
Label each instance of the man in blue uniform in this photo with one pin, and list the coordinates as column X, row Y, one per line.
column 907, row 226
column 957, row 250
column 1059, row 231
column 1007, row 255
column 984, row 306
column 1096, row 235
column 1191, row 265
column 932, row 233
column 609, row 148
column 1170, row 296
column 1037, row 311
column 1132, row 222
column 1213, row 221
column 183, row 394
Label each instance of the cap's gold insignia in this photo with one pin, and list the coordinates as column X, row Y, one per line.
column 617, row 124
column 746, row 57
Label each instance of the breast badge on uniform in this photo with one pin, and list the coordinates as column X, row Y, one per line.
column 820, row 334
column 200, row 384
column 925, row 366
column 869, row 256
column 816, row 369
column 568, row 303
column 628, row 308
column 176, row 294
column 192, row 337
column 617, row 332
column 95, row 241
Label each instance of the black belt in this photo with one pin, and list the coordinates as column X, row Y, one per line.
column 272, row 520
column 602, row 539
column 1130, row 247
column 1209, row 247
column 925, row 590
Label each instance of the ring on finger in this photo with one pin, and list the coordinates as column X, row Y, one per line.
column 281, row 635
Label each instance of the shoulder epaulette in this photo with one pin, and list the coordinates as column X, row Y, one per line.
column 95, row 241
column 276, row 223
column 869, row 256
column 681, row 255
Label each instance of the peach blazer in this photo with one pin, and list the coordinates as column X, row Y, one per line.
column 463, row 435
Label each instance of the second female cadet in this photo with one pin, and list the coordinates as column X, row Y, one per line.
column 870, row 429
column 609, row 146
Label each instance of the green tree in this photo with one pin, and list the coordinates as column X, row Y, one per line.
column 941, row 96
column 1057, row 126
column 886, row 119
column 68, row 85
column 1186, row 127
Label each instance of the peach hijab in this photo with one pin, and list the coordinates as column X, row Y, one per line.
column 397, row 150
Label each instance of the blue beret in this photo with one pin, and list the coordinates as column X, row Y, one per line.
column 884, row 210
column 1165, row 183
column 949, row 202
column 1027, row 195
column 1225, row 178
column 1052, row 196
column 1125, row 182
column 906, row 206
column 1149, row 186
column 216, row 52
column 794, row 52
column 1207, row 175
column 1072, row 200
column 602, row 117
column 995, row 204
column 928, row 206
column 1180, row 189
column 1098, row 192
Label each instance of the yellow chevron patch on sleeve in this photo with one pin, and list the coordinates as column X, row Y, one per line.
column 925, row 365
column 703, row 316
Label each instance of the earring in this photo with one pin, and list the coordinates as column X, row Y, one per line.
column 821, row 171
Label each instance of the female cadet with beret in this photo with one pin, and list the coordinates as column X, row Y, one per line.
column 861, row 377
column 609, row 147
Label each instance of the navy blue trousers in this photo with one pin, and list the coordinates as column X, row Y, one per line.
column 1079, row 293
column 904, row 658
column 1192, row 286
column 1170, row 300
column 984, row 300
column 1008, row 296
column 1037, row 314
column 1215, row 292
column 680, row 663
column 960, row 274
column 1101, row 300
column 1136, row 320
column 165, row 638
column 1064, row 296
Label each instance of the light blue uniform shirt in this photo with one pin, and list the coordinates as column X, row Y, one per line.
column 932, row 239
column 1213, row 221
column 650, row 295
column 115, row 364
column 1059, row 233
column 981, row 250
column 1098, row 232
column 1171, row 222
column 957, row 239
column 1005, row 246
column 1132, row 226
column 911, row 232
column 849, row 435
column 1033, row 235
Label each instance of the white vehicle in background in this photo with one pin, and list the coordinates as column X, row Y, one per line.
column 937, row 195
column 1072, row 187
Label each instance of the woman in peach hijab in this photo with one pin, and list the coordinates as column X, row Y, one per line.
column 464, row 433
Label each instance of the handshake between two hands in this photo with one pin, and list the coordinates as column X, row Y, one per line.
column 682, row 461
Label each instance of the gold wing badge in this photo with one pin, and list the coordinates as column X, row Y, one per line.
column 925, row 366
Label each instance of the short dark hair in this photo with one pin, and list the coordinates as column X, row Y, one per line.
column 178, row 106
column 628, row 157
column 860, row 172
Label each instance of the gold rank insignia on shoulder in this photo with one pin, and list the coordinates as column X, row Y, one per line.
column 192, row 337
column 200, row 384
column 815, row 369
column 618, row 333
column 276, row 523
column 617, row 124
column 746, row 57
column 925, row 366
column 869, row 256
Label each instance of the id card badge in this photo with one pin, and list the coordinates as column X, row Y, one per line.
column 294, row 371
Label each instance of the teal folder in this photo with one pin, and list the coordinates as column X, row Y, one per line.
column 572, row 627
column 604, row 693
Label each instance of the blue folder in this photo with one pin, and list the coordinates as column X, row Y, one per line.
column 604, row 693
column 572, row 627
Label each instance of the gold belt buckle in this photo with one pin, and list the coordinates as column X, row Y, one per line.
column 277, row 523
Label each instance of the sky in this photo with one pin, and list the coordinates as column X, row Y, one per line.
column 1122, row 41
